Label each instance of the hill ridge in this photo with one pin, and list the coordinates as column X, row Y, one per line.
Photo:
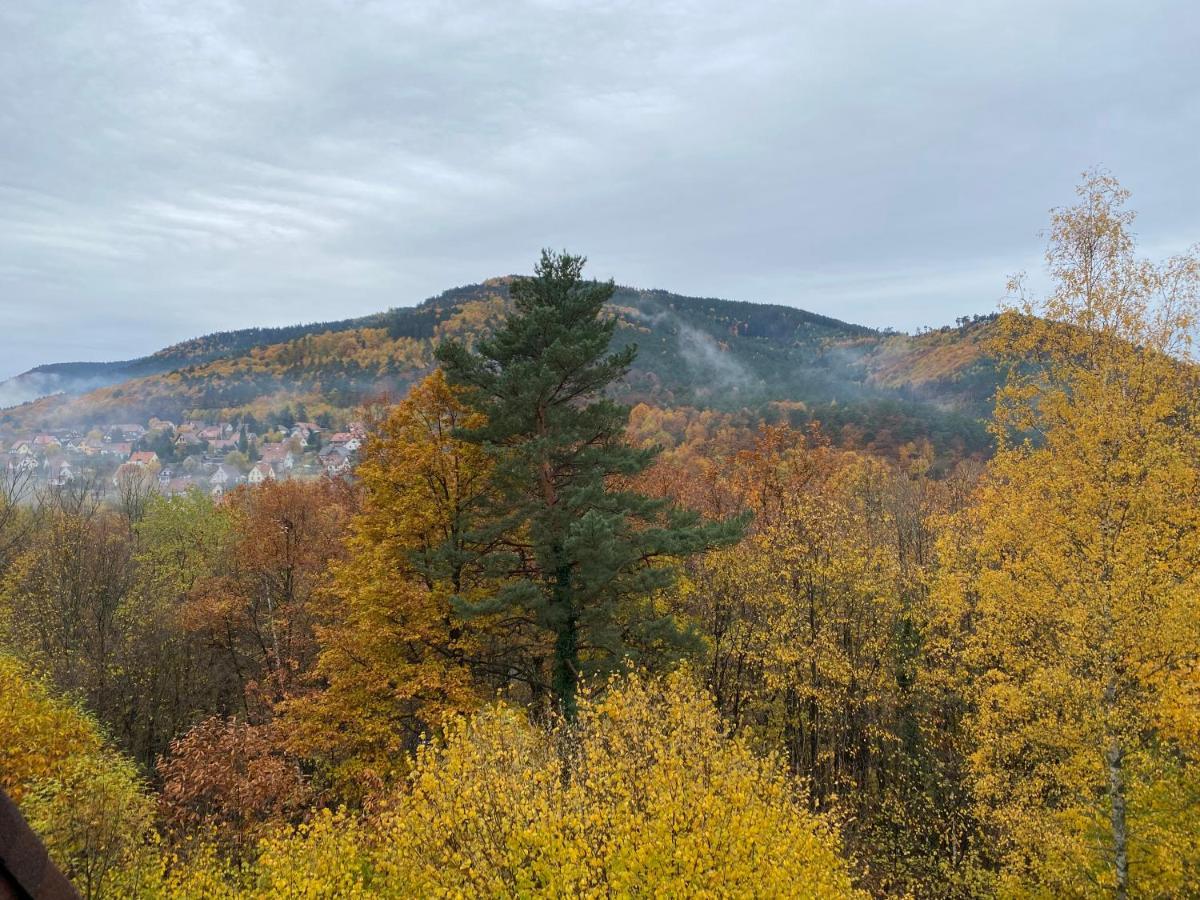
column 704, row 352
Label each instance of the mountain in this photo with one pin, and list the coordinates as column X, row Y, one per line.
column 79, row 377
column 693, row 351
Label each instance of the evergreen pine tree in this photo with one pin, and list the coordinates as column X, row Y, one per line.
column 583, row 553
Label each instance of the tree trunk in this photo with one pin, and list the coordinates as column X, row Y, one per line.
column 566, row 645
column 1115, row 758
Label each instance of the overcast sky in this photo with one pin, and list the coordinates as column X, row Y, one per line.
column 174, row 168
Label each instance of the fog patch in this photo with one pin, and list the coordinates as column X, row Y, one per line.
column 705, row 355
column 700, row 351
column 35, row 385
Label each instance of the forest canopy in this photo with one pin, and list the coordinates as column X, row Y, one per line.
column 559, row 636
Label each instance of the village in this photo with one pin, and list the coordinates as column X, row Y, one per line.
column 174, row 459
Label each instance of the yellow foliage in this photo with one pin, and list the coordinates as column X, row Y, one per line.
column 85, row 801
column 39, row 733
column 394, row 655
column 1076, row 585
column 643, row 796
column 321, row 860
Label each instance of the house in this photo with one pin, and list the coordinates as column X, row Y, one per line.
column 278, row 456
column 131, row 432
column 176, row 486
column 335, row 460
column 22, row 448
column 224, row 476
column 129, row 473
column 346, row 439
column 144, row 458
column 261, row 472
column 118, row 448
column 304, row 431
column 45, row 442
column 60, row 473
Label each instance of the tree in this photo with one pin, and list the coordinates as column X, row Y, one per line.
column 812, row 648
column 395, row 657
column 259, row 610
column 171, row 672
column 62, row 598
column 238, row 460
column 231, row 780
column 82, row 798
column 16, row 518
column 97, row 820
column 41, row 731
column 135, row 485
column 1078, row 581
column 584, row 555
column 657, row 801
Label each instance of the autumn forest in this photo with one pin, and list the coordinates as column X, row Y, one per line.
column 564, row 630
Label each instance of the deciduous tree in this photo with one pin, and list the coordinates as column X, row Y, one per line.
column 1078, row 586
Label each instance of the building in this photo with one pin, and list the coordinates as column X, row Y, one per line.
column 346, row 439
column 335, row 460
column 222, row 479
column 177, row 486
column 59, row 472
column 261, row 472
column 278, row 456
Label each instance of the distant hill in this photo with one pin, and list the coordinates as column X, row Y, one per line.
column 693, row 351
column 78, row 377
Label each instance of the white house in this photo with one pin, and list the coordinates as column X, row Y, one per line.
column 224, row 477
column 261, row 472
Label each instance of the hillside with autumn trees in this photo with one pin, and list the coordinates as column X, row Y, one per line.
column 631, row 594
column 868, row 388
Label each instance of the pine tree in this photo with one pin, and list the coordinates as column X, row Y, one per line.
column 584, row 555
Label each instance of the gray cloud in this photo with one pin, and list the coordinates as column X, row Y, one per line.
column 171, row 168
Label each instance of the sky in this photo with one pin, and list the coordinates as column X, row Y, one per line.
column 169, row 169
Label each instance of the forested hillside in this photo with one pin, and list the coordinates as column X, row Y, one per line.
column 881, row 390
column 541, row 643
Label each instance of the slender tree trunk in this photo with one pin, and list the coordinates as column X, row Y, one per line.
column 1115, row 757
column 566, row 645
